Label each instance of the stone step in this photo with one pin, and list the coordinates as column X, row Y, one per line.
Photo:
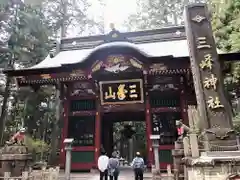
column 221, row 153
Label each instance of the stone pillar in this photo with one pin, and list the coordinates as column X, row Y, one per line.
column 155, row 140
column 156, row 156
column 193, row 122
column 178, row 154
column 213, row 106
column 68, row 149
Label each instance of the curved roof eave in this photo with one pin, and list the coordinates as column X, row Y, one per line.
column 176, row 48
column 111, row 45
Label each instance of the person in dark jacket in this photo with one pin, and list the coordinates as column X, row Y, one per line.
column 113, row 167
column 138, row 166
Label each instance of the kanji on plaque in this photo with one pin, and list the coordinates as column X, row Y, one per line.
column 214, row 103
column 121, row 92
column 133, row 92
column 202, row 43
column 210, row 82
column 207, row 62
column 110, row 94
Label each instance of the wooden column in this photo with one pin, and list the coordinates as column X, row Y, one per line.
column 183, row 101
column 110, row 127
column 148, row 123
column 97, row 130
column 66, row 104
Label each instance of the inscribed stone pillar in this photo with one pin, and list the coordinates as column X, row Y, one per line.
column 214, row 108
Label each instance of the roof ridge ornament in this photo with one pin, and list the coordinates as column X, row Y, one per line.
column 112, row 27
column 114, row 35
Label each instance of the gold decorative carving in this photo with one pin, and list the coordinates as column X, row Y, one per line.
column 158, row 67
column 198, row 18
column 97, row 66
column 135, row 63
column 113, row 60
column 210, row 82
column 45, row 76
column 76, row 73
column 214, row 103
column 207, row 62
column 202, row 43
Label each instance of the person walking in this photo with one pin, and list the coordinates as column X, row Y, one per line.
column 113, row 167
column 103, row 165
column 138, row 166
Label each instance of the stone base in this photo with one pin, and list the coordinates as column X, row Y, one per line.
column 156, row 174
column 14, row 159
column 214, row 166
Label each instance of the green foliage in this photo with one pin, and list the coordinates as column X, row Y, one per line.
column 73, row 14
column 27, row 30
column 155, row 14
column 28, row 34
column 36, row 146
column 226, row 26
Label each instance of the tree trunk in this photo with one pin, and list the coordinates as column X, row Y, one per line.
column 56, row 129
column 4, row 109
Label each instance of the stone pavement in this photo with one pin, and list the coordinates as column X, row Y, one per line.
column 124, row 175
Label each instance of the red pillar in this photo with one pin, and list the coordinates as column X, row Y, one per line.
column 148, row 131
column 148, row 121
column 97, row 131
column 183, row 101
column 66, row 102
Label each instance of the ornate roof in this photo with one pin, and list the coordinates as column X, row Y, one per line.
column 153, row 43
column 176, row 48
column 163, row 42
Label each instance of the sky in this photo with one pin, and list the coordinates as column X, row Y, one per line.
column 114, row 11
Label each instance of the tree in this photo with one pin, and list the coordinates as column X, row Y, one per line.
column 73, row 14
column 226, row 30
column 154, row 14
column 26, row 35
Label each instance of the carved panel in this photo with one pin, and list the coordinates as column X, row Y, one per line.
column 123, row 108
column 82, row 89
column 116, row 64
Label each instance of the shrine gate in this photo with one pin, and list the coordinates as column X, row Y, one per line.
column 143, row 75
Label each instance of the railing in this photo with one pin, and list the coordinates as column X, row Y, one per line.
column 44, row 174
column 232, row 145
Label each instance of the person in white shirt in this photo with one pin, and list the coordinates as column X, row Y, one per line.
column 103, row 165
